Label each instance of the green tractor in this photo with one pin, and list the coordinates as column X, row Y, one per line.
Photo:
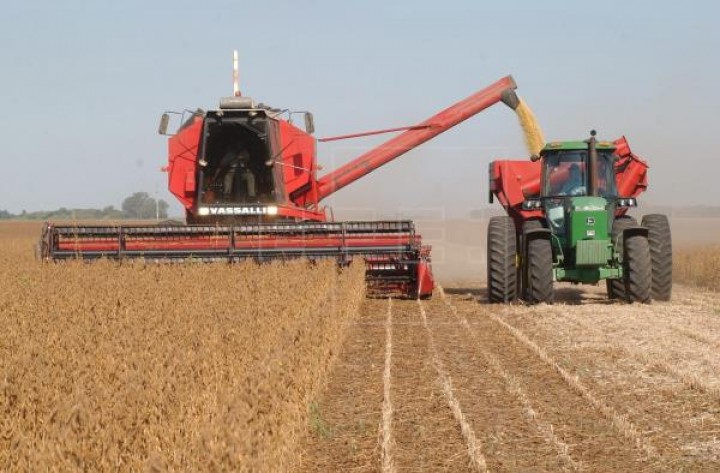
column 567, row 222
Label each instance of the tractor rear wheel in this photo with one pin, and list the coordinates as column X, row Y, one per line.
column 661, row 254
column 638, row 268
column 616, row 287
column 501, row 260
column 539, row 270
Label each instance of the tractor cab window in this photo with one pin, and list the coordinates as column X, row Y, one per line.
column 565, row 174
column 606, row 181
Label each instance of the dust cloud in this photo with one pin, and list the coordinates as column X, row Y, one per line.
column 459, row 245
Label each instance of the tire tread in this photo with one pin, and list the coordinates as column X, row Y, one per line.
column 539, row 267
column 501, row 255
column 660, row 240
column 616, row 287
column 638, row 269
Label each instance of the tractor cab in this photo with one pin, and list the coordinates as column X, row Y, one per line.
column 578, row 176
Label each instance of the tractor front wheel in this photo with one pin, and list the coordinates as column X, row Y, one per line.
column 638, row 268
column 616, row 287
column 501, row 260
column 539, row 271
column 661, row 255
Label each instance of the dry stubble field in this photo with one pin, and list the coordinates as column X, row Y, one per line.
column 455, row 384
column 137, row 367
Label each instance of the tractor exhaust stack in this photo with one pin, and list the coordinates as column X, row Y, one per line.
column 592, row 164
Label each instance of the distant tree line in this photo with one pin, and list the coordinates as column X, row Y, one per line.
column 137, row 206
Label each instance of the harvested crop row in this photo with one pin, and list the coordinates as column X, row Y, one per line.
column 184, row 367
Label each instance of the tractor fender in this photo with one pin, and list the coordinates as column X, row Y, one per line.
column 533, row 233
column 634, row 231
column 530, row 234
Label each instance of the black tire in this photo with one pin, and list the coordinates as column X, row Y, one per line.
column 660, row 241
column 638, row 268
column 528, row 225
column 539, row 270
column 616, row 287
column 501, row 260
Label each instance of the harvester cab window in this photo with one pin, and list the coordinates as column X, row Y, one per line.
column 236, row 172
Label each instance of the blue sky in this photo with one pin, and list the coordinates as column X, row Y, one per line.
column 84, row 83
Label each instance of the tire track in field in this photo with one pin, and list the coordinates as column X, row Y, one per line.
column 694, row 335
column 510, row 440
column 514, row 386
column 595, row 434
column 477, row 459
column 641, row 328
column 344, row 422
column 426, row 435
column 681, row 419
column 421, row 386
column 690, row 380
column 621, row 423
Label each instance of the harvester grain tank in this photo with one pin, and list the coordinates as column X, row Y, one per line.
column 247, row 177
column 567, row 221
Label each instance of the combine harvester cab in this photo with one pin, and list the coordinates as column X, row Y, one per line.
column 567, row 221
column 247, row 178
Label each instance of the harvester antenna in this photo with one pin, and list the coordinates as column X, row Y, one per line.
column 236, row 75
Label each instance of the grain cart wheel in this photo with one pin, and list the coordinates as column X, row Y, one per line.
column 661, row 255
column 638, row 268
column 539, row 270
column 616, row 287
column 501, row 256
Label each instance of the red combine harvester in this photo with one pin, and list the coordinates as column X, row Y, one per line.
column 247, row 177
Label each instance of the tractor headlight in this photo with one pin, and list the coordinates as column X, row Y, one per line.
column 532, row 204
column 203, row 211
column 627, row 202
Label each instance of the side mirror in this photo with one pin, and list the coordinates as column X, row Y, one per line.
column 309, row 123
column 164, row 122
